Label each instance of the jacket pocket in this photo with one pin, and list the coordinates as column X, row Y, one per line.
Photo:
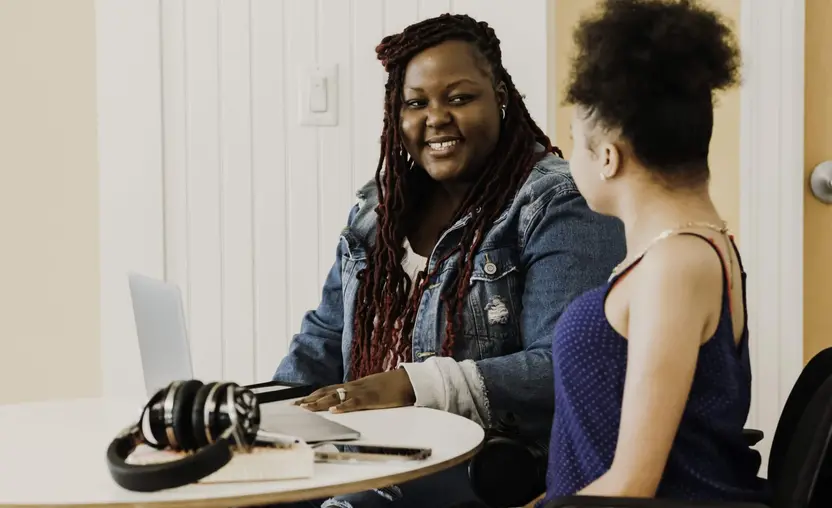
column 494, row 303
column 353, row 260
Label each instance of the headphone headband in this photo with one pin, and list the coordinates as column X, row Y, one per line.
column 207, row 421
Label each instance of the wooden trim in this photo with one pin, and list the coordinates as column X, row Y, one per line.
column 771, row 200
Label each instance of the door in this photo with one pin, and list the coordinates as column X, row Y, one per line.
column 817, row 232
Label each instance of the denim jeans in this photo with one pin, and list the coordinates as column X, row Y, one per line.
column 445, row 489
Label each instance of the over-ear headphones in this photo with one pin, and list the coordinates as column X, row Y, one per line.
column 209, row 421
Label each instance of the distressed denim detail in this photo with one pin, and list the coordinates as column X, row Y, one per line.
column 336, row 503
column 391, row 493
column 545, row 248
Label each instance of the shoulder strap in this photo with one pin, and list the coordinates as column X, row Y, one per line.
column 663, row 236
column 726, row 273
column 743, row 277
column 726, row 276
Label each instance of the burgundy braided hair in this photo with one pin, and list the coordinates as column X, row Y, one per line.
column 384, row 314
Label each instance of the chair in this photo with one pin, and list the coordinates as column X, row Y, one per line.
column 799, row 467
column 508, row 471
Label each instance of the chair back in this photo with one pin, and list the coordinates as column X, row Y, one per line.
column 800, row 451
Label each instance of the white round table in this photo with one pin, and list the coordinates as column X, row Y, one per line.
column 53, row 453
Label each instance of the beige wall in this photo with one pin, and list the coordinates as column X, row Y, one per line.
column 725, row 144
column 48, row 201
column 817, row 244
column 725, row 147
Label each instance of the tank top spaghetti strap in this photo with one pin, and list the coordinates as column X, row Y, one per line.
column 709, row 459
column 727, row 268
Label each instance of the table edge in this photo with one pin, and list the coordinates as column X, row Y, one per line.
column 280, row 497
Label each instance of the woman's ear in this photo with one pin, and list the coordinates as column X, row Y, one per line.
column 501, row 92
column 611, row 159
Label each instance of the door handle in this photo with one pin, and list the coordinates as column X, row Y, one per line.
column 821, row 182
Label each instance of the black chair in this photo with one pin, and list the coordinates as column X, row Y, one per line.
column 508, row 471
column 799, row 466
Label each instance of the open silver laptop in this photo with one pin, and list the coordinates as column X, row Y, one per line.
column 166, row 356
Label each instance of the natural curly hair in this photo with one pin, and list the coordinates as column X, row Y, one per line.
column 385, row 313
column 649, row 68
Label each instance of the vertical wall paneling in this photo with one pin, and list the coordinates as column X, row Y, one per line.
column 523, row 46
column 398, row 14
column 175, row 127
column 131, row 192
column 236, row 204
column 300, row 25
column 269, row 181
column 204, row 189
column 335, row 160
column 367, row 24
column 525, row 55
column 474, row 8
column 432, row 8
column 771, row 201
column 250, row 202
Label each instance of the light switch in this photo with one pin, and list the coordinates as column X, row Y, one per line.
column 318, row 95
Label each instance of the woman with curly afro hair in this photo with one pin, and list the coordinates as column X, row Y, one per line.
column 652, row 371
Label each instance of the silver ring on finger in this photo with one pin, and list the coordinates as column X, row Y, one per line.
column 342, row 394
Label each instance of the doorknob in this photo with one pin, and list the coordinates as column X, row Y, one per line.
column 821, row 182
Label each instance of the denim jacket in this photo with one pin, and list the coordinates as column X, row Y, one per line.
column 545, row 248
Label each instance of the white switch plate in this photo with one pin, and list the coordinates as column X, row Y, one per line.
column 318, row 95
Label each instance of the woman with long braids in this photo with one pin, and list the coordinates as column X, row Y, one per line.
column 458, row 259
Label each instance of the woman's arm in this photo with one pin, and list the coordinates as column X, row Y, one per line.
column 445, row 384
column 568, row 249
column 674, row 305
column 314, row 355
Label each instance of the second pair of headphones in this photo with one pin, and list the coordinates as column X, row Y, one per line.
column 208, row 421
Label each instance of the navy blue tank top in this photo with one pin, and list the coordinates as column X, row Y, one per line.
column 709, row 459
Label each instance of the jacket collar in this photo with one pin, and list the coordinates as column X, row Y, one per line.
column 363, row 226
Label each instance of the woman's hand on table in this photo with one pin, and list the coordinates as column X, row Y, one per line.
column 378, row 391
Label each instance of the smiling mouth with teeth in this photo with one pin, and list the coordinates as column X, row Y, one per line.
column 443, row 146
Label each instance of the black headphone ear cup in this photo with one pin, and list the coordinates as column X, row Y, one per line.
column 214, row 402
column 198, row 424
column 182, row 404
column 156, row 416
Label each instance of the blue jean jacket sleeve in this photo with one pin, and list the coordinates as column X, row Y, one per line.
column 568, row 249
column 315, row 354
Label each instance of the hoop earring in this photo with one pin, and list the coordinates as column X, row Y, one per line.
column 503, row 111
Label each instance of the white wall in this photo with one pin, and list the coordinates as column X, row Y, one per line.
column 208, row 178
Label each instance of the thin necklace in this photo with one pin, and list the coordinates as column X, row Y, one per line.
column 723, row 229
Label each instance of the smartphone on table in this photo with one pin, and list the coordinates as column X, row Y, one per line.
column 351, row 453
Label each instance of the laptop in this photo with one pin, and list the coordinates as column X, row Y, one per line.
column 165, row 353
